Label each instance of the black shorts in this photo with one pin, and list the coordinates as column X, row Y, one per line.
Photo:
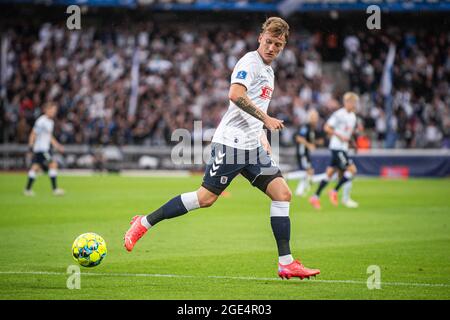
column 340, row 159
column 43, row 159
column 227, row 162
column 304, row 162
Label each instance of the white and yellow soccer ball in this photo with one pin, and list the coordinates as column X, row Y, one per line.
column 89, row 249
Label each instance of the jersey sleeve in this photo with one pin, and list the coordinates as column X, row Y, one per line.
column 244, row 72
column 38, row 126
column 303, row 132
column 333, row 120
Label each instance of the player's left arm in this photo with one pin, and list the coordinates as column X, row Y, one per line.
column 58, row 146
column 238, row 94
column 359, row 128
column 31, row 140
column 302, row 140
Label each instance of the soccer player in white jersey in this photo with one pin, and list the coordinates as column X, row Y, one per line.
column 340, row 126
column 40, row 141
column 240, row 146
column 306, row 142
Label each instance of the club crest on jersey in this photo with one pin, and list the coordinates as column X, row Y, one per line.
column 241, row 74
column 266, row 93
column 223, row 179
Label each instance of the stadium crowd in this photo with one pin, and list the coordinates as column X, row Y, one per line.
column 184, row 76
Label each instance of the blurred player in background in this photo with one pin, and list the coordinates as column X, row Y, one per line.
column 40, row 141
column 340, row 127
column 240, row 146
column 306, row 141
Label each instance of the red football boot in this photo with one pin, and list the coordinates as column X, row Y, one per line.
column 315, row 202
column 136, row 231
column 296, row 269
column 333, row 195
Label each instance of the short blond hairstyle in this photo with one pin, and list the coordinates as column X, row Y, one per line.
column 350, row 96
column 276, row 27
column 49, row 104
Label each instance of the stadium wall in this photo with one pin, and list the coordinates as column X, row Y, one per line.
column 396, row 165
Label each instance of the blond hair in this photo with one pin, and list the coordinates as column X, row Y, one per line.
column 350, row 96
column 48, row 105
column 276, row 27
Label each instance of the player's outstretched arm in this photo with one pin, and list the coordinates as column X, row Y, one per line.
column 238, row 94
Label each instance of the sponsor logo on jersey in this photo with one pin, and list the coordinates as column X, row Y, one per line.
column 241, row 74
column 266, row 93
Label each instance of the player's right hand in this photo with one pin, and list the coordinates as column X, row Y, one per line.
column 273, row 123
column 342, row 138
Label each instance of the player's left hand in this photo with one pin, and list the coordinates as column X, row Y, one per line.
column 273, row 123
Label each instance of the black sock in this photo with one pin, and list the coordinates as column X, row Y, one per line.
column 343, row 180
column 322, row 185
column 30, row 183
column 171, row 209
column 53, row 180
column 281, row 227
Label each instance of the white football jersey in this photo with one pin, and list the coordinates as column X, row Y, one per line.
column 43, row 127
column 343, row 123
column 238, row 129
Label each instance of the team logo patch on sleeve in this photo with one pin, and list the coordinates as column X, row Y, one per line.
column 241, row 74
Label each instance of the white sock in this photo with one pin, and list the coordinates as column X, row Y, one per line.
column 287, row 259
column 52, row 173
column 319, row 177
column 279, row 209
column 301, row 187
column 348, row 175
column 32, row 174
column 145, row 223
column 346, row 189
column 296, row 175
column 190, row 200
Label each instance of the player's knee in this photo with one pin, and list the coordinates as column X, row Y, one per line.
column 286, row 195
column 53, row 165
column 329, row 173
column 283, row 194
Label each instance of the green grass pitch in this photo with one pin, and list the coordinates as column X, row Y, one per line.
column 226, row 251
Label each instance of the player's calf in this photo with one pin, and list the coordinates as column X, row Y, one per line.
column 30, row 181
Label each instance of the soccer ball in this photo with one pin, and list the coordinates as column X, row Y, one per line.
column 89, row 249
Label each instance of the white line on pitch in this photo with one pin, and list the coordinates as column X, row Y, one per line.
column 410, row 284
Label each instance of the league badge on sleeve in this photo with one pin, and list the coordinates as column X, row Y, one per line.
column 241, row 75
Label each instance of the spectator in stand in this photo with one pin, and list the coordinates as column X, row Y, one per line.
column 183, row 71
